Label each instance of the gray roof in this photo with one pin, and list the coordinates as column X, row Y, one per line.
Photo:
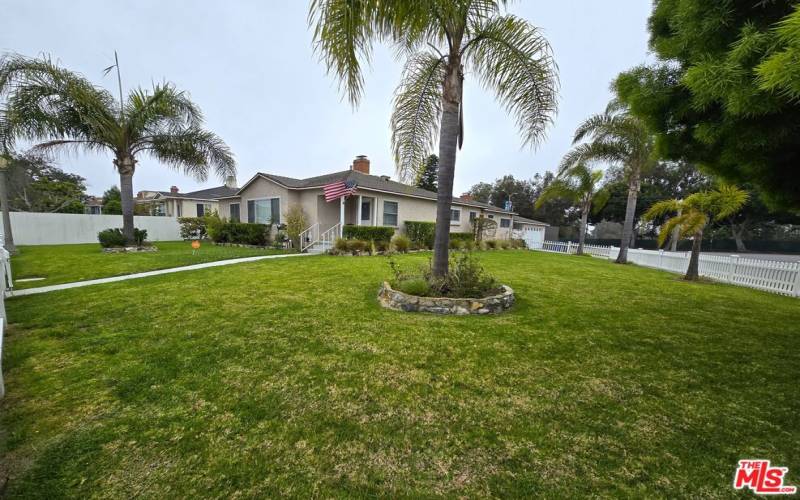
column 375, row 182
column 203, row 194
column 523, row 220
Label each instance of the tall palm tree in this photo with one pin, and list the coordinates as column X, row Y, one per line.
column 616, row 136
column 8, row 237
column 443, row 40
column 693, row 213
column 581, row 186
column 58, row 109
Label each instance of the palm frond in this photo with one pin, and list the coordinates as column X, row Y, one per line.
column 727, row 200
column 195, row 151
column 661, row 208
column 162, row 108
column 417, row 112
column 512, row 58
column 559, row 188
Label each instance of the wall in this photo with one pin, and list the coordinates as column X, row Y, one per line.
column 262, row 188
column 30, row 228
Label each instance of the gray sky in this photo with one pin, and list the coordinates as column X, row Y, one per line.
column 250, row 67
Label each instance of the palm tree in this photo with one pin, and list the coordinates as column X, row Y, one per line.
column 616, row 136
column 58, row 109
column 582, row 186
column 693, row 213
column 8, row 237
column 443, row 41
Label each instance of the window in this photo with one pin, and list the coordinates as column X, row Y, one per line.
column 234, row 212
column 203, row 209
column 455, row 215
column 179, row 204
column 365, row 210
column 264, row 211
column 473, row 216
column 490, row 216
column 390, row 213
column 505, row 222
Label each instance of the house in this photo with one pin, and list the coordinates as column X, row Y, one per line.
column 377, row 201
column 173, row 203
column 93, row 205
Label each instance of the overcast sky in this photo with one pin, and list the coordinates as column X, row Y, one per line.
column 250, row 67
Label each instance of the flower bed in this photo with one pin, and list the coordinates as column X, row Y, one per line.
column 399, row 301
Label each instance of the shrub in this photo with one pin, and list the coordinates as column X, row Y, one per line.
column 415, row 286
column 456, row 244
column 401, row 243
column 421, row 234
column 244, row 233
column 490, row 244
column 214, row 226
column 356, row 246
column 469, row 245
column 111, row 238
column 368, row 233
column 296, row 222
column 115, row 238
column 517, row 243
column 382, row 246
column 462, row 237
column 192, row 228
column 340, row 245
column 503, row 244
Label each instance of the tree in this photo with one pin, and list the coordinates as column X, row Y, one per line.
column 506, row 188
column 616, row 136
column 112, row 201
column 8, row 237
column 557, row 212
column 444, row 40
column 428, row 173
column 296, row 222
column 481, row 192
column 36, row 185
column 724, row 91
column 61, row 110
column 579, row 185
column 692, row 216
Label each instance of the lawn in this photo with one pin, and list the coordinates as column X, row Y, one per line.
column 68, row 263
column 286, row 378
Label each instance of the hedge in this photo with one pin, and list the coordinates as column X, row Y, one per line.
column 243, row 233
column 462, row 237
column 368, row 233
column 420, row 233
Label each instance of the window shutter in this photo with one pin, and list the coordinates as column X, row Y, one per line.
column 276, row 210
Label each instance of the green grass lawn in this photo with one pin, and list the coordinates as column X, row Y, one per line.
column 285, row 377
column 68, row 263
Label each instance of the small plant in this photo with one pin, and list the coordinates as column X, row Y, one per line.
column 469, row 245
column 296, row 223
column 517, row 243
column 489, row 244
column 466, row 278
column 340, row 245
column 110, row 238
column 401, row 243
column 503, row 244
column 139, row 236
column 214, row 225
column 356, row 246
column 415, row 286
column 456, row 244
column 371, row 248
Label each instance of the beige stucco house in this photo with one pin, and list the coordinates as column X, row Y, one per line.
column 377, row 201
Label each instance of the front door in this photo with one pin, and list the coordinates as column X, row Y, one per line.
column 365, row 213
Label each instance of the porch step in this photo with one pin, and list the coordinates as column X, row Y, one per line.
column 319, row 248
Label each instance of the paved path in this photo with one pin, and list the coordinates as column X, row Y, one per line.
column 77, row 284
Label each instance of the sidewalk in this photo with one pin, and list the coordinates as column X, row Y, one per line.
column 78, row 284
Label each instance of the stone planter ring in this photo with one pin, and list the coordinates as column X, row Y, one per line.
column 399, row 301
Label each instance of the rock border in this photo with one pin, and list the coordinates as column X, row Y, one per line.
column 400, row 301
column 132, row 249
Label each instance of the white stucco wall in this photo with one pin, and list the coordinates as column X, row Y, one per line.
column 31, row 228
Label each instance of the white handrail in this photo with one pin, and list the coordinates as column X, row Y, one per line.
column 328, row 238
column 309, row 237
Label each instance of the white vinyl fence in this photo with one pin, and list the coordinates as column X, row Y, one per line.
column 32, row 228
column 769, row 275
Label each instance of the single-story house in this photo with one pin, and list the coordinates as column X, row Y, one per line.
column 376, row 201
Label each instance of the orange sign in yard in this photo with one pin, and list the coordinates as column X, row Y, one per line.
column 196, row 244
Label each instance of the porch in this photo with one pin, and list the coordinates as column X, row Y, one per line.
column 331, row 217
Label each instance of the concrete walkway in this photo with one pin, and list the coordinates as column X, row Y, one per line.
column 78, row 284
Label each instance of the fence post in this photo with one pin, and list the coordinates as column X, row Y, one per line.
column 733, row 264
column 569, row 248
column 797, row 280
column 661, row 258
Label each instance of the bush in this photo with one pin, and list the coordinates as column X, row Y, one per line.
column 340, row 245
column 401, row 243
column 456, row 244
column 462, row 237
column 465, row 278
column 192, row 228
column 115, row 238
column 503, row 244
column 368, row 233
column 214, row 226
column 296, row 222
column 415, row 286
column 469, row 245
column 421, row 234
column 518, row 244
column 489, row 244
column 243, row 233
column 356, row 246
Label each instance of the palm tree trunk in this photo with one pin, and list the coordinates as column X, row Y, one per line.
column 584, row 222
column 693, row 272
column 126, row 167
column 738, row 233
column 448, row 142
column 630, row 212
column 676, row 235
column 8, row 244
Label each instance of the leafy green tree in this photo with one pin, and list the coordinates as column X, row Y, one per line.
column 36, row 185
column 481, row 191
column 621, row 138
column 428, row 174
column 581, row 186
column 443, row 40
column 112, row 201
column 555, row 211
column 58, row 109
column 724, row 91
column 693, row 214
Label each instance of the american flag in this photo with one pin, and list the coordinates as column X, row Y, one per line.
column 339, row 189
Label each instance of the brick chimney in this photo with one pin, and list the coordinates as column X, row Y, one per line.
column 361, row 164
column 230, row 182
column 467, row 197
column 173, row 189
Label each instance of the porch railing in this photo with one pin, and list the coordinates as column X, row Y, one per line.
column 309, row 237
column 328, row 238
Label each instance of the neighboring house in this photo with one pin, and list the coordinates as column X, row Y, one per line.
column 173, row 203
column 93, row 205
column 377, row 201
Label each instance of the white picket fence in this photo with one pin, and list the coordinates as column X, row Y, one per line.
column 769, row 275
